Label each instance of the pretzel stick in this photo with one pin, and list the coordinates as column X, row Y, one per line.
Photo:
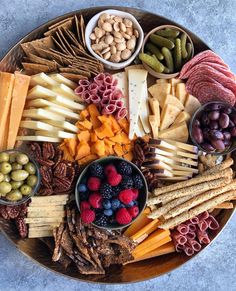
column 172, row 222
column 200, row 199
column 194, row 181
column 225, row 164
column 225, row 205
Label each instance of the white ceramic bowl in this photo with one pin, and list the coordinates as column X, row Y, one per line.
column 92, row 24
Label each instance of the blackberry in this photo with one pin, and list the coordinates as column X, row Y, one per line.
column 96, row 170
column 83, row 196
column 124, row 168
column 106, row 191
column 138, row 181
column 126, row 182
column 102, row 220
column 115, row 191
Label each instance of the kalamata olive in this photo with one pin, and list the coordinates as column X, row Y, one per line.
column 227, row 110
column 196, row 123
column 207, row 147
column 16, row 166
column 213, row 124
column 227, row 135
column 233, row 131
column 218, row 144
column 25, row 189
column 14, row 195
column 22, row 159
column 233, row 118
column 4, row 157
column 227, row 143
column 206, row 133
column 205, row 119
column 224, row 120
column 5, row 188
column 214, row 106
column 19, row 175
column 32, row 180
column 5, row 168
column 231, row 124
column 197, row 134
column 214, row 115
column 216, row 135
column 1, row 177
column 30, row 168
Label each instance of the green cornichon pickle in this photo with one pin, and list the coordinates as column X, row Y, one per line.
column 168, row 32
column 153, row 49
column 183, row 39
column 168, row 58
column 166, row 70
column 161, row 41
column 189, row 49
column 148, row 53
column 152, row 62
column 177, row 54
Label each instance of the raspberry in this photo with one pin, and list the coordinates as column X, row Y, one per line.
column 123, row 217
column 135, row 194
column 133, row 211
column 87, row 215
column 94, row 183
column 84, row 205
column 114, row 179
column 126, row 196
column 95, row 200
column 110, row 169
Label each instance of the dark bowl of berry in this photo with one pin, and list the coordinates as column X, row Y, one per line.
column 111, row 193
column 213, row 128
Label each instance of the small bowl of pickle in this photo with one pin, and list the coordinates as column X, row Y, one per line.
column 19, row 177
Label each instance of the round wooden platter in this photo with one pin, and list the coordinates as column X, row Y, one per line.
column 34, row 248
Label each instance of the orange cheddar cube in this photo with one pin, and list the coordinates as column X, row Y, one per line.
column 84, row 135
column 84, row 114
column 83, row 150
column 118, row 150
column 104, row 131
column 124, row 124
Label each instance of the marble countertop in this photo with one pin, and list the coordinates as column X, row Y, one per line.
column 212, row 20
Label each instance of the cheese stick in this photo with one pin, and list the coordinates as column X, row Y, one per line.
column 194, row 181
column 199, row 199
column 172, row 222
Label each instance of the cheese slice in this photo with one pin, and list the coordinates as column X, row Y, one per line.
column 66, row 91
column 178, row 132
column 40, row 92
column 144, row 109
column 63, row 112
column 42, row 114
column 185, row 146
column 37, row 138
column 183, row 116
column 191, row 104
column 181, row 92
column 134, row 67
column 172, row 160
column 137, row 82
column 174, row 153
column 55, row 133
column 175, row 178
column 66, row 102
column 170, row 99
column 161, row 143
column 19, row 93
column 42, row 79
column 38, row 103
column 49, row 199
column 36, row 125
column 168, row 115
column 159, row 91
column 43, row 213
column 139, row 131
column 181, row 173
column 156, row 164
column 43, row 219
column 155, row 108
column 62, row 80
column 63, row 124
column 39, row 233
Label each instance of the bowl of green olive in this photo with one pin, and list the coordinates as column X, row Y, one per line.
column 19, row 177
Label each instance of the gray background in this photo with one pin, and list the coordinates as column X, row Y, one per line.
column 212, row 20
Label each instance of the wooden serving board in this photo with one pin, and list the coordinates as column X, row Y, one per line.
column 34, row 248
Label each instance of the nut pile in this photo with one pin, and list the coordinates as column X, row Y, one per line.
column 114, row 38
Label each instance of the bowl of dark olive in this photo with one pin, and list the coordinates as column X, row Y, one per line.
column 19, row 177
column 213, row 128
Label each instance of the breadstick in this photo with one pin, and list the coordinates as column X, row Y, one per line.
column 199, row 199
column 225, row 205
column 168, row 206
column 224, row 165
column 194, row 181
column 172, row 222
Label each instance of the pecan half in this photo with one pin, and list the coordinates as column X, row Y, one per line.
column 48, row 151
column 60, row 170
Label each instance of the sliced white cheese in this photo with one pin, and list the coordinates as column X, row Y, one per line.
column 137, row 82
column 42, row 114
column 66, row 102
column 132, row 67
column 181, row 145
column 54, row 133
column 139, row 131
column 175, row 160
column 159, row 91
column 161, row 143
column 36, row 125
column 66, row 91
column 38, row 103
column 43, row 80
column 49, row 199
column 168, row 115
column 38, row 138
column 144, row 110
column 63, row 112
column 156, row 164
column 181, row 173
column 175, row 178
column 174, row 153
column 40, row 92
column 63, row 125
column 191, row 104
column 61, row 79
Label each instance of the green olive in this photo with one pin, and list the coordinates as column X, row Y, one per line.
column 12, row 157
column 5, row 188
column 25, row 189
column 7, row 178
column 16, row 166
column 30, row 168
column 32, row 180
column 16, row 184
column 19, row 175
column 1, row 177
column 4, row 157
column 5, row 168
column 14, row 195
column 22, row 159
